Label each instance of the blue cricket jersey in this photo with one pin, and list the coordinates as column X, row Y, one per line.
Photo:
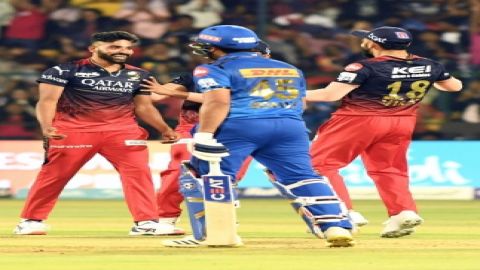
column 260, row 87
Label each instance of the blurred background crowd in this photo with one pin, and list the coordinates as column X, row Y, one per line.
column 311, row 34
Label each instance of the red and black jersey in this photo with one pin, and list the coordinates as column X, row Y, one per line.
column 388, row 85
column 93, row 98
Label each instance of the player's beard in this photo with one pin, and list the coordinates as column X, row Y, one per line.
column 111, row 58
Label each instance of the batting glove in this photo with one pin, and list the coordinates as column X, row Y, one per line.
column 205, row 147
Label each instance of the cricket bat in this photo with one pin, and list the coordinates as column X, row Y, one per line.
column 220, row 213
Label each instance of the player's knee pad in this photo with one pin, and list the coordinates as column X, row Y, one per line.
column 315, row 201
column 192, row 190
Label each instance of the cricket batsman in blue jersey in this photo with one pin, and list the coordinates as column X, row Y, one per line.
column 253, row 107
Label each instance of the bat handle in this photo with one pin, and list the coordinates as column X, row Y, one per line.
column 214, row 168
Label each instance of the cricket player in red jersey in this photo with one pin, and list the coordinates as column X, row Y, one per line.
column 376, row 119
column 88, row 107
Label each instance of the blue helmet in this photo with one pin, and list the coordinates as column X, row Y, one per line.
column 232, row 37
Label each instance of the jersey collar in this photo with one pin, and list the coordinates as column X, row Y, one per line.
column 95, row 65
column 389, row 57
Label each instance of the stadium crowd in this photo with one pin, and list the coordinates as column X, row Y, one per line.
column 313, row 35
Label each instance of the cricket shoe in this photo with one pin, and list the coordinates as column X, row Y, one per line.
column 151, row 227
column 185, row 242
column 338, row 237
column 357, row 219
column 169, row 227
column 401, row 225
column 190, row 242
column 31, row 227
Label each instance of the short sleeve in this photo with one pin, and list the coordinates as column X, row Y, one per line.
column 186, row 80
column 57, row 75
column 442, row 73
column 355, row 73
column 209, row 77
column 143, row 75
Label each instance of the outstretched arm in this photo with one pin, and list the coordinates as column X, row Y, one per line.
column 450, row 85
column 169, row 89
column 332, row 92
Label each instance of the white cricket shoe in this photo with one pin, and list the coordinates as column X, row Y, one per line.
column 31, row 227
column 357, row 219
column 150, row 227
column 185, row 242
column 338, row 237
column 401, row 225
column 190, row 242
column 169, row 228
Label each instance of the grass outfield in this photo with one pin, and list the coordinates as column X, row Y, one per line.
column 93, row 235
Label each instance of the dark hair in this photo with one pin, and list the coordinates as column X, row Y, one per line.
column 113, row 36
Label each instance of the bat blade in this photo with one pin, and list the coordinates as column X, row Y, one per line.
column 220, row 213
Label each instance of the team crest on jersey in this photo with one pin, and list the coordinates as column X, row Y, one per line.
column 354, row 67
column 133, row 76
column 200, row 72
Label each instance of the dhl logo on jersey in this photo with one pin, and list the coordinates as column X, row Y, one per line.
column 269, row 72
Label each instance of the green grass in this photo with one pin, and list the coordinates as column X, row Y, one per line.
column 93, row 235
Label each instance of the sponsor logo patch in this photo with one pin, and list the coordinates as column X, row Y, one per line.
column 87, row 74
column 210, row 38
column 207, row 83
column 346, row 77
column 402, row 35
column 354, row 67
column 245, row 39
column 75, row 146
column 51, row 78
column 109, row 85
column 217, row 188
column 200, row 72
column 411, row 72
column 269, row 72
column 376, row 39
column 60, row 71
column 135, row 142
